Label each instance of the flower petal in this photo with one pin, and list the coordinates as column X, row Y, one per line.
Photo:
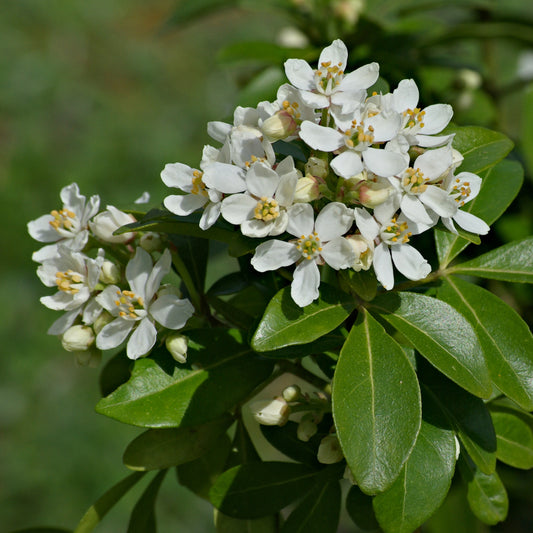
column 114, row 334
column 410, row 262
column 347, row 164
column 366, row 223
column 185, row 204
column 178, row 175
column 362, row 78
column 336, row 54
column 274, row 254
column 210, row 215
column 383, row 266
column 438, row 200
column 225, row 178
column 301, row 220
column 436, row 118
column 171, row 311
column 261, row 180
column 238, row 207
column 300, row 74
column 320, row 137
column 405, row 96
column 333, row 221
column 142, row 339
column 384, row 162
column 338, row 253
column 137, row 271
column 305, row 283
column 160, row 270
column 414, row 209
column 470, row 222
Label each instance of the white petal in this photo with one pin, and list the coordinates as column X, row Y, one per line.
column 438, row 200
column 333, row 221
column 414, row 209
column 362, row 78
column 107, row 299
column 171, row 312
column 434, row 163
column 474, row 183
column 178, row 175
column 366, row 223
column 256, row 229
column 336, row 54
column 320, row 137
column 64, row 322
column 300, row 73
column 470, row 222
column 210, row 215
column 274, row 254
column 91, row 311
column 338, row 253
column 137, row 271
column 429, row 141
column 261, row 180
column 314, row 100
column 305, row 283
column 71, row 197
column 405, row 96
column 41, row 230
column 301, row 220
column 160, row 270
column 386, row 126
column 114, row 334
column 142, row 339
column 225, row 178
column 347, row 164
column 218, row 130
column 436, row 118
column 185, row 204
column 238, row 207
column 384, row 162
column 410, row 262
column 383, row 266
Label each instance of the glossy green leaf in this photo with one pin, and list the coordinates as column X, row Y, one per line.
column 467, row 414
column 318, row 512
column 116, row 372
column 511, row 262
column 491, row 202
column 156, row 449
column 285, row 324
column 101, row 507
column 228, row 524
column 142, row 518
column 486, row 493
column 441, row 334
column 422, row 485
column 359, row 507
column 514, row 437
column 363, row 283
column 200, row 474
column 164, row 394
column 505, row 338
column 376, row 405
column 260, row 489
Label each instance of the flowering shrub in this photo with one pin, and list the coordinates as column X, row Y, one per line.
column 360, row 361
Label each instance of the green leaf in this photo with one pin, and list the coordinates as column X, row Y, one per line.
column 156, row 449
column 142, row 518
column 467, row 414
column 164, row 394
column 193, row 253
column 200, row 474
column 318, row 512
column 505, row 338
column 491, row 202
column 486, row 494
column 242, row 448
column 101, row 507
column 116, row 372
column 359, row 507
column 511, row 262
column 285, row 323
column 188, row 12
column 441, row 334
column 527, row 128
column 376, row 405
column 422, row 485
column 514, row 437
column 363, row 283
column 43, row 530
column 262, row 87
column 259, row 489
column 228, row 524
column 263, row 52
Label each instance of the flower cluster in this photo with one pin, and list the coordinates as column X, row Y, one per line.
column 377, row 173
column 105, row 301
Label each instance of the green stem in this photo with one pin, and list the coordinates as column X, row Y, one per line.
column 185, row 276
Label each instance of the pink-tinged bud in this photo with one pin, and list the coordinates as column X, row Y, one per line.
column 107, row 222
column 78, row 338
column 329, row 451
column 364, row 252
column 307, row 190
column 271, row 412
column 306, row 428
column 372, row 194
column 279, row 126
column 177, row 346
column 316, row 167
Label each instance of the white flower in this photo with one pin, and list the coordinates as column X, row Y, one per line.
column 318, row 242
column 271, row 412
column 262, row 210
column 329, row 450
column 67, row 226
column 393, row 233
column 364, row 252
column 136, row 310
column 104, row 224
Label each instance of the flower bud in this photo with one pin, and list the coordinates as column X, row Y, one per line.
column 90, row 358
column 78, row 338
column 306, row 190
column 279, row 126
column 329, row 450
column 177, row 346
column 348, row 10
column 316, row 167
column 469, row 79
column 105, row 223
column 364, row 252
column 292, row 393
column 271, row 412
column 372, row 194
column 151, row 241
column 306, row 428
column 103, row 319
column 110, row 274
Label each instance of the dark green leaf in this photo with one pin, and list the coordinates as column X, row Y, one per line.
column 486, row 494
column 285, row 324
column 43, row 530
column 359, row 507
column 505, row 338
column 192, row 252
column 164, row 394
column 228, row 524
column 142, row 518
column 242, row 448
column 115, row 372
column 511, row 262
column 422, row 485
column 441, row 334
column 376, row 405
column 514, row 437
column 363, row 283
column 96, row 512
column 318, row 512
column 156, row 449
column 493, row 199
column 259, row 489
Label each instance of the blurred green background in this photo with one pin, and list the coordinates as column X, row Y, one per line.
column 104, row 94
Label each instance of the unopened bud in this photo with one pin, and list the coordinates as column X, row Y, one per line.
column 306, row 428
column 316, row 167
column 271, row 412
column 105, row 223
column 329, row 451
column 279, row 126
column 78, row 338
column 110, row 274
column 469, row 79
column 307, row 190
column 364, row 252
column 177, row 346
column 90, row 358
column 151, row 241
column 348, row 10
column 372, row 194
column 292, row 393
column 103, row 319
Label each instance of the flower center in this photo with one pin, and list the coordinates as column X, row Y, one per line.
column 309, row 246
column 129, row 303
column 396, row 233
column 357, row 135
column 254, row 159
column 63, row 220
column 328, row 76
column 414, row 117
column 414, row 181
column 69, row 281
column 266, row 209
column 198, row 186
column 291, row 108
column 462, row 190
